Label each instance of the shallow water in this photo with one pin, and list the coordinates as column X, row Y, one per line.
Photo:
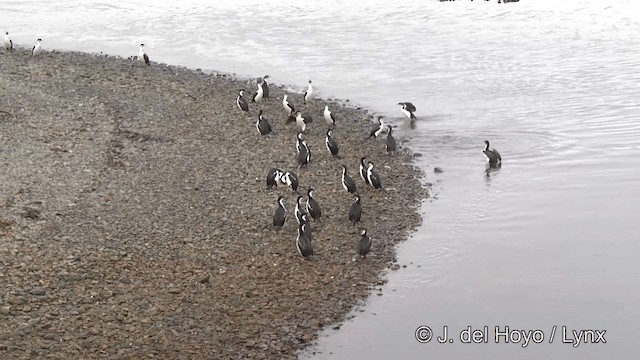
column 549, row 239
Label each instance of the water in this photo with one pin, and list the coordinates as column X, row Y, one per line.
column 549, row 239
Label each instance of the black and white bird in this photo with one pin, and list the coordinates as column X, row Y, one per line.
column 299, row 143
column 36, row 49
column 273, row 177
column 493, row 156
column 242, row 102
column 290, row 179
column 390, row 142
column 304, row 156
column 302, row 121
column 347, row 182
column 8, row 44
column 408, row 109
column 308, row 95
column 376, row 131
column 355, row 211
column 258, row 95
column 265, row 88
column 328, row 117
column 306, row 226
column 288, row 105
column 280, row 215
column 331, row 144
column 372, row 177
column 142, row 56
column 298, row 212
column 363, row 246
column 262, row 124
column 303, row 243
column 363, row 170
column 313, row 208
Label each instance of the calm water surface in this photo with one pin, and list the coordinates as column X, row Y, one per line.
column 552, row 238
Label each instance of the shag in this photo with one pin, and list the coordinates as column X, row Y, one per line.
column 376, row 131
column 347, row 182
column 242, row 102
column 331, row 144
column 304, row 156
column 8, row 44
column 303, row 243
column 308, row 95
column 313, row 208
column 262, row 124
column 372, row 177
column 355, row 211
column 299, row 141
column 306, row 226
column 302, row 121
column 493, row 156
column 265, row 88
column 298, row 212
column 390, row 143
column 408, row 109
column 280, row 215
column 291, row 180
column 257, row 96
column 328, row 117
column 142, row 56
column 36, row 49
column 273, row 177
column 364, row 244
column 287, row 105
column 363, row 170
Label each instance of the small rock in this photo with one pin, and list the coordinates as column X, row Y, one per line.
column 204, row 279
column 395, row 267
column 38, row 291
column 174, row 290
column 438, row 170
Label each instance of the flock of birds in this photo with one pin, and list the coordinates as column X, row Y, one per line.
column 276, row 177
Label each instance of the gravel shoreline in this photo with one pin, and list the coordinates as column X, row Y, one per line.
column 135, row 220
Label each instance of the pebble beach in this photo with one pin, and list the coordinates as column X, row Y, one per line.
column 135, row 221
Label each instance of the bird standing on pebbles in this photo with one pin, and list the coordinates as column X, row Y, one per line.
column 290, row 179
column 301, row 121
column 262, row 124
column 408, row 109
column 8, row 44
column 347, row 182
column 376, row 131
column 242, row 102
column 372, row 177
column 304, row 156
column 308, row 95
column 493, row 156
column 273, row 177
column 355, row 211
column 331, row 144
column 303, row 243
column 363, row 170
column 363, row 246
column 313, row 208
column 287, row 105
column 280, row 215
column 390, row 142
column 142, row 56
column 298, row 210
column 328, row 117
column 35, row 52
column 265, row 88
column 257, row 97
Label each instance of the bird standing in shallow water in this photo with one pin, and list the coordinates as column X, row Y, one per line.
column 8, row 44
column 242, row 102
column 408, row 109
column 493, row 156
column 364, row 244
column 36, row 49
column 328, row 117
column 143, row 57
column 347, row 182
column 262, row 124
column 280, row 215
column 308, row 95
column 313, row 208
column 331, row 144
column 355, row 211
column 390, row 142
